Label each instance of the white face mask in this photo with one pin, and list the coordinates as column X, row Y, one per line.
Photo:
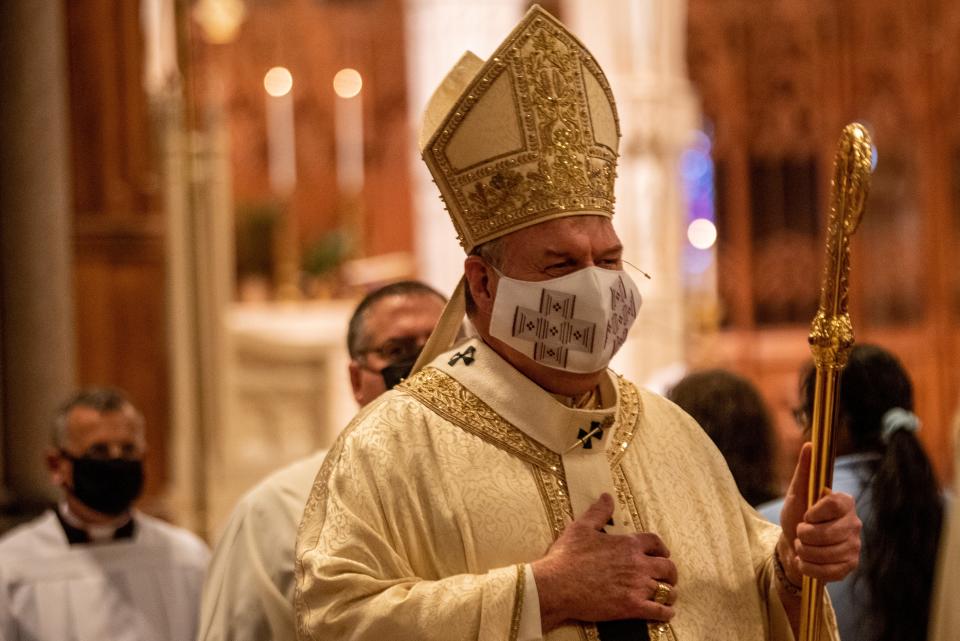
column 574, row 323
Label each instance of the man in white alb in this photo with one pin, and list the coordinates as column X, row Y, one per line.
column 93, row 568
column 248, row 594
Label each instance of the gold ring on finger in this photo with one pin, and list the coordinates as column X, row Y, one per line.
column 662, row 593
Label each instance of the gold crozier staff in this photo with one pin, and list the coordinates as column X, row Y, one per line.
column 831, row 332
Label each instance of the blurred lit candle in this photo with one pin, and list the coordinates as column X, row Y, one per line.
column 348, row 125
column 220, row 20
column 159, row 44
column 281, row 149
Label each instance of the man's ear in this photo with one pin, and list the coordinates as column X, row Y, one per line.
column 355, row 384
column 479, row 277
column 55, row 465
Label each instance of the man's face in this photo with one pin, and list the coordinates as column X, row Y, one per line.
column 548, row 250
column 97, row 435
column 560, row 247
column 395, row 328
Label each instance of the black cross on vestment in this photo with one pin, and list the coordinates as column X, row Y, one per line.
column 467, row 356
column 595, row 432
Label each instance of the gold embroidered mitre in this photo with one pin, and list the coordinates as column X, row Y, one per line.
column 529, row 135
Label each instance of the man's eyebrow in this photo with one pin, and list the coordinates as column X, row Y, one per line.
column 562, row 253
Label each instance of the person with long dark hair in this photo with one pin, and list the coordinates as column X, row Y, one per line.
column 881, row 463
column 732, row 413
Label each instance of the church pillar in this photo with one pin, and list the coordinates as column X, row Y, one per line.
column 36, row 307
column 641, row 46
column 438, row 33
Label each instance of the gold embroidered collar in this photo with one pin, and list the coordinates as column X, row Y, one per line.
column 527, row 406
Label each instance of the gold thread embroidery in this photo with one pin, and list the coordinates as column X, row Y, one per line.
column 625, row 498
column 454, row 402
column 447, row 397
column 589, row 632
column 657, row 631
column 561, row 167
column 555, row 501
column 627, row 415
column 518, row 602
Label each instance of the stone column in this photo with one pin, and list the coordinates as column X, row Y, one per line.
column 200, row 260
column 438, row 33
column 640, row 44
column 36, row 305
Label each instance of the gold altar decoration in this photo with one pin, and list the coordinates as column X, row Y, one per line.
column 831, row 332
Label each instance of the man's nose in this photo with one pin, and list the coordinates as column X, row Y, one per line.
column 121, row 450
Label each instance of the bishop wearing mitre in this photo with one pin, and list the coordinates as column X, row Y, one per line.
column 514, row 487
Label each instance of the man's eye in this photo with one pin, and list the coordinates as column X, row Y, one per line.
column 400, row 349
column 393, row 352
column 98, row 451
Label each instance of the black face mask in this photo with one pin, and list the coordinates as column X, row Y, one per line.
column 108, row 486
column 394, row 374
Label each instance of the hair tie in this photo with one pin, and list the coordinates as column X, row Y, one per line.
column 896, row 419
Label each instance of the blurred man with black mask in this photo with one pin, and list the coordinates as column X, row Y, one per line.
column 248, row 595
column 387, row 331
column 94, row 567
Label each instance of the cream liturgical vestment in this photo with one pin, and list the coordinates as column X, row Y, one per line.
column 146, row 588
column 945, row 609
column 429, row 508
column 248, row 594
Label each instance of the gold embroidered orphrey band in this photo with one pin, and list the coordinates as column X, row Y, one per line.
column 447, row 397
column 452, row 401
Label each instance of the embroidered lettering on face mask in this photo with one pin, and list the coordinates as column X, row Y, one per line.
column 576, row 322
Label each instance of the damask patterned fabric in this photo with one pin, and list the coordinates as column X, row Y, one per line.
column 427, row 510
